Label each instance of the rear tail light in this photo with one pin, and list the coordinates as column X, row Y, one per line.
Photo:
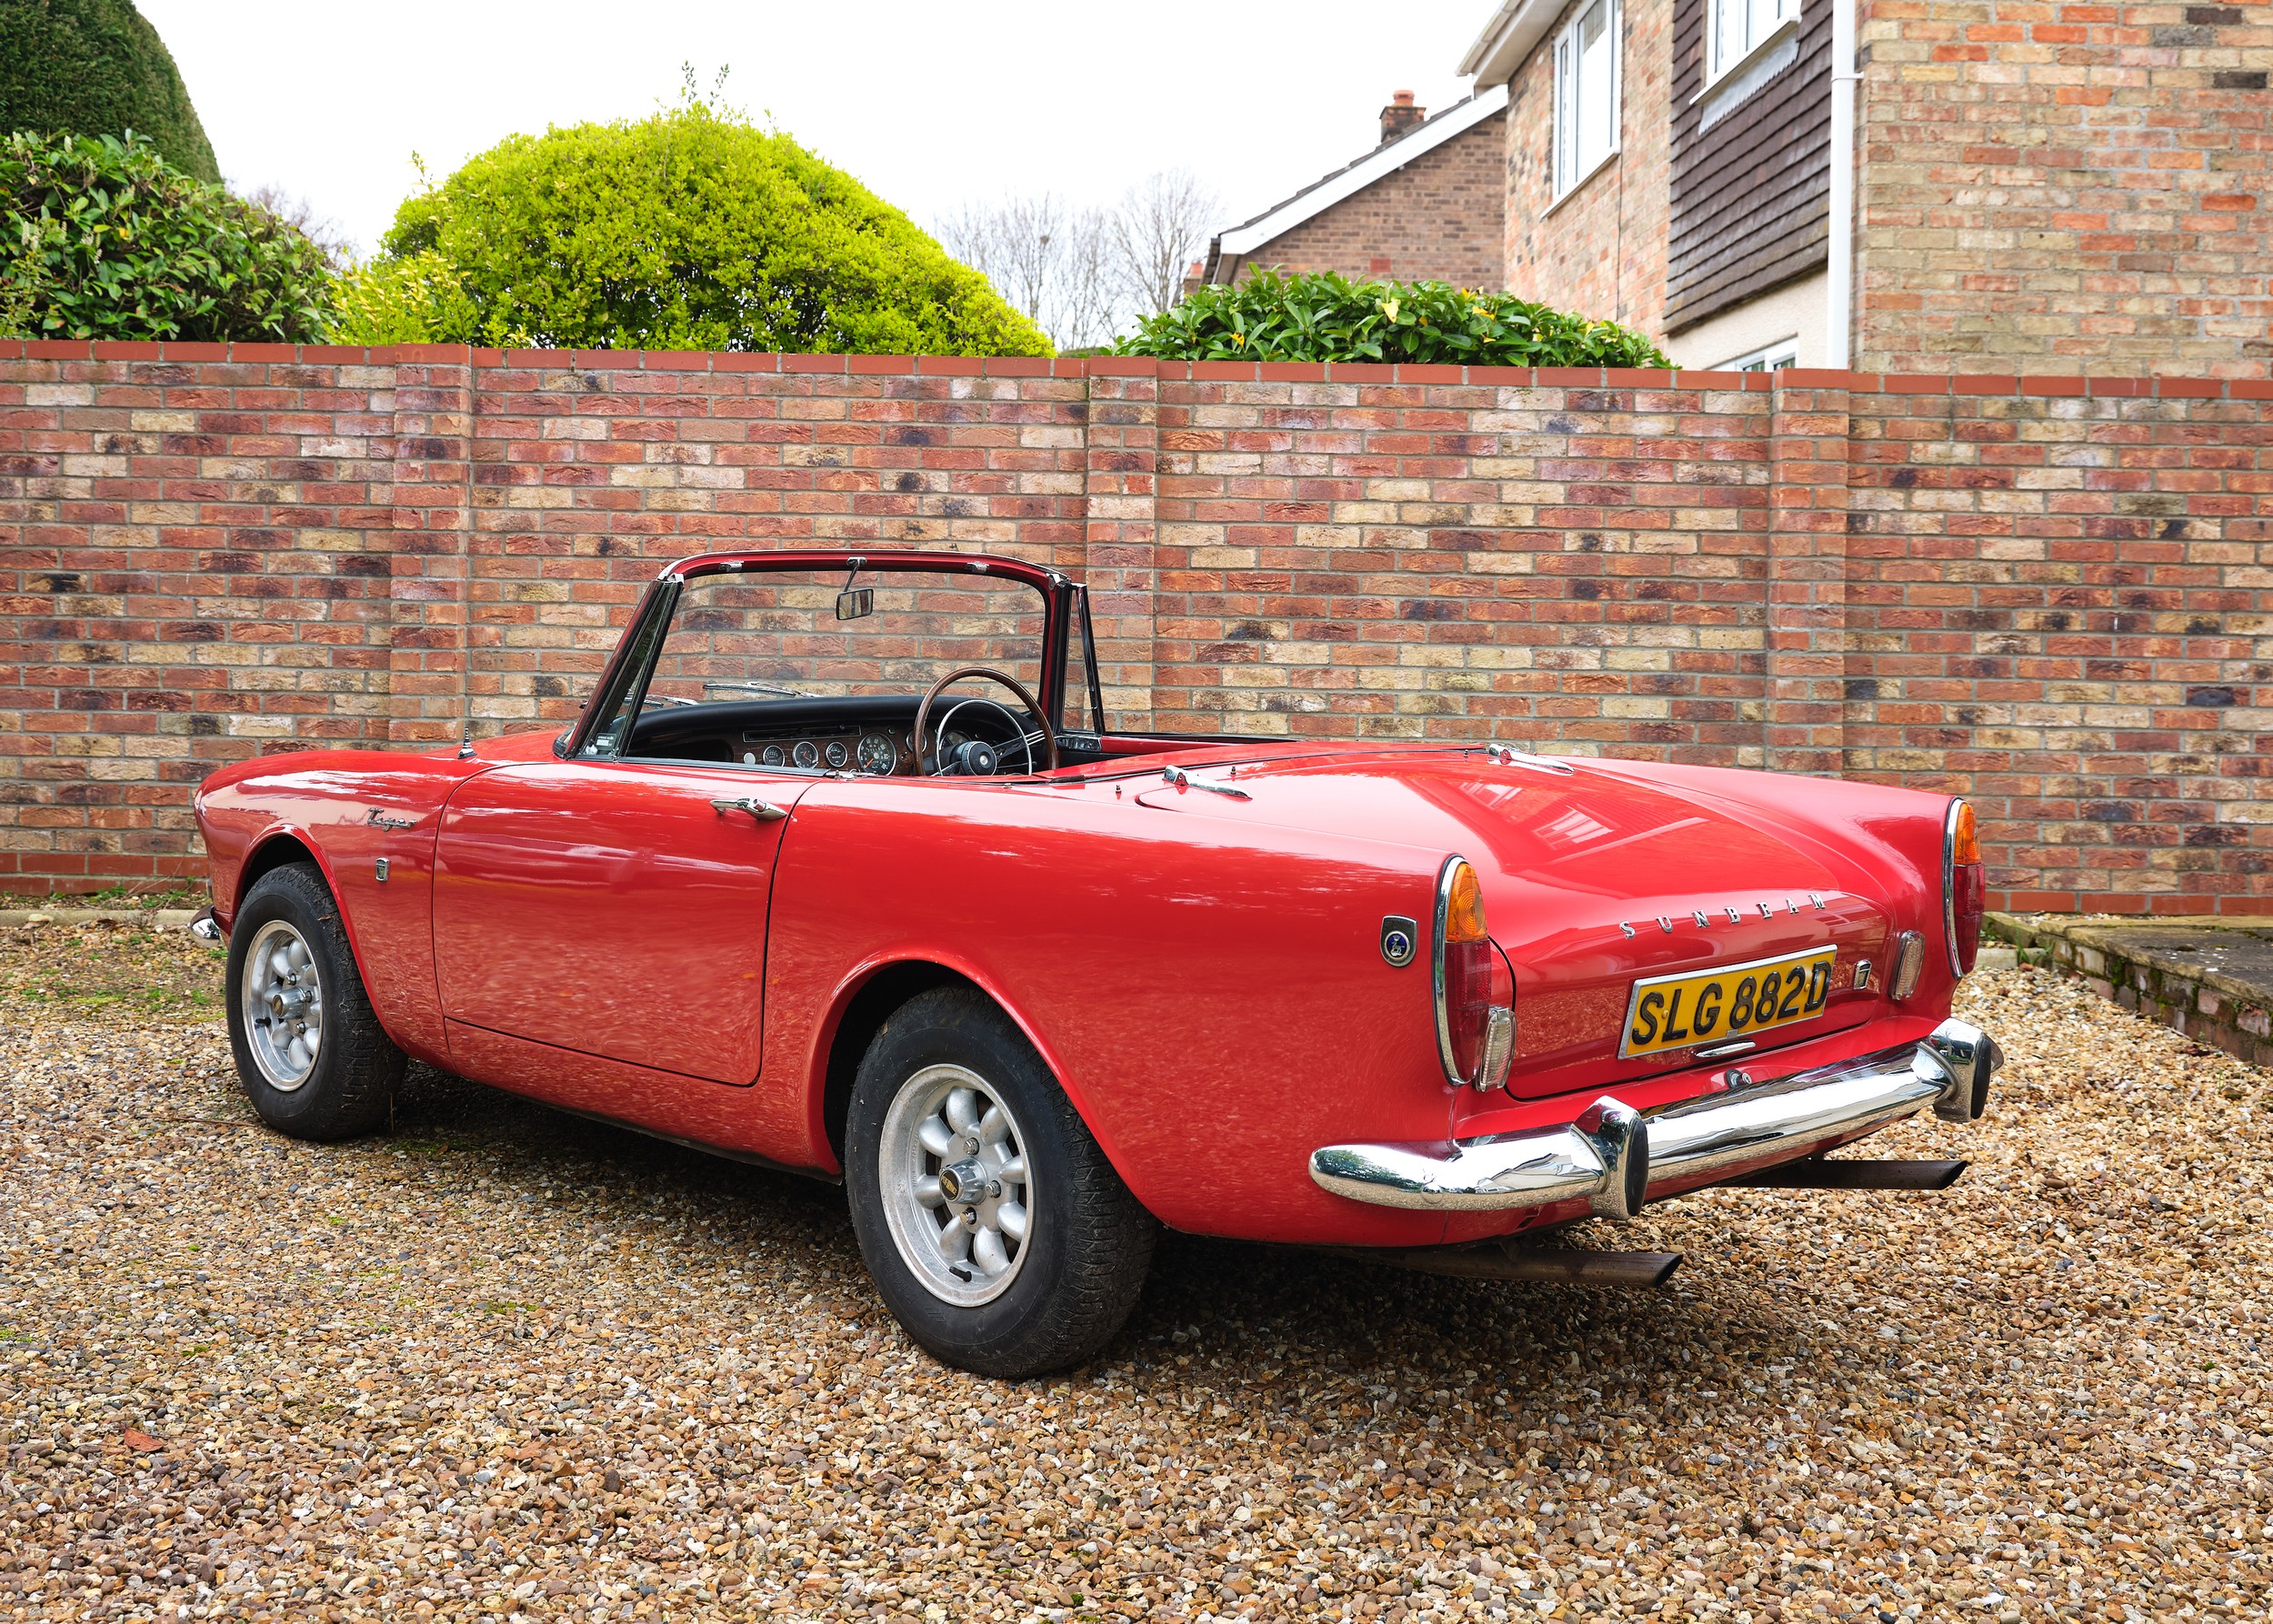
column 1963, row 889
column 1475, row 1029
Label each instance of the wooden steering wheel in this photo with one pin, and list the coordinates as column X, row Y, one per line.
column 926, row 763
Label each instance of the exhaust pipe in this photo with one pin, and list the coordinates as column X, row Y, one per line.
column 1817, row 1173
column 1505, row 1260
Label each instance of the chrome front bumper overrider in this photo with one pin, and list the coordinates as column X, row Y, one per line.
column 1613, row 1156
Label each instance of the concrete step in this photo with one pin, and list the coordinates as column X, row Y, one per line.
column 2208, row 976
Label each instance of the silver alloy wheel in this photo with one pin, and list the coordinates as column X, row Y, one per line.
column 957, row 1191
column 284, row 1006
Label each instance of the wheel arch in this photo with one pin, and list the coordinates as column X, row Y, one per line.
column 274, row 849
column 279, row 847
column 867, row 998
column 863, row 1005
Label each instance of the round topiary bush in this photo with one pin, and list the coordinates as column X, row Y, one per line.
column 687, row 230
column 105, row 239
column 96, row 68
column 1321, row 316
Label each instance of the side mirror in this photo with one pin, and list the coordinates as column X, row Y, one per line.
column 856, row 603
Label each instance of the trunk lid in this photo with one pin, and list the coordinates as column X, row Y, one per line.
column 1591, row 881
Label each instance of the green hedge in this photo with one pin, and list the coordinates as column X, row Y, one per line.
column 102, row 238
column 686, row 230
column 96, row 68
column 1321, row 316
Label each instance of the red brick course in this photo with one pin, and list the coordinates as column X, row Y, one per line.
column 2055, row 596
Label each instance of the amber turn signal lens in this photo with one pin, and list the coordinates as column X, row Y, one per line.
column 1464, row 907
column 1964, row 847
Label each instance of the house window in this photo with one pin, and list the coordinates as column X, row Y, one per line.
column 1774, row 358
column 1733, row 27
column 1585, row 93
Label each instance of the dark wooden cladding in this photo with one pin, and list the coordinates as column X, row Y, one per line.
column 1751, row 194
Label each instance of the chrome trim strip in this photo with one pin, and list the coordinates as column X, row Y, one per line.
column 1436, row 987
column 1950, row 1070
column 1950, row 882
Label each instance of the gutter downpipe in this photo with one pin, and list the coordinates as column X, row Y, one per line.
column 1839, row 296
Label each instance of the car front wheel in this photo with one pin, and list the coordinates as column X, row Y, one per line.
column 997, row 1231
column 310, row 1052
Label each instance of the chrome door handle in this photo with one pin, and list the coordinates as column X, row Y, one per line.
column 764, row 811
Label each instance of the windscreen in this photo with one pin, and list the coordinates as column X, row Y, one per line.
column 738, row 637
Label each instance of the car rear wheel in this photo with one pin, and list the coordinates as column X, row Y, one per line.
column 310, row 1052
column 997, row 1231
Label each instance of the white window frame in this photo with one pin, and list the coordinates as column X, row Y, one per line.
column 1758, row 23
column 1573, row 166
column 1769, row 357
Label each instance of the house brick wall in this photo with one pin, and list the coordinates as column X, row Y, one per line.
column 2071, row 188
column 1603, row 251
column 2074, row 189
column 1436, row 219
column 2056, row 597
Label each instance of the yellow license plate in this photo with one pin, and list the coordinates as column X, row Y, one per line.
column 1709, row 1006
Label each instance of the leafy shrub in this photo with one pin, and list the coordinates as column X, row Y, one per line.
column 1321, row 316
column 416, row 298
column 105, row 239
column 686, row 230
column 96, row 68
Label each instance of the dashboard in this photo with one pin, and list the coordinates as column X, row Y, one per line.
column 840, row 750
column 870, row 734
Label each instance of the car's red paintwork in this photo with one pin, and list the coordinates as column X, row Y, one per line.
column 1202, row 974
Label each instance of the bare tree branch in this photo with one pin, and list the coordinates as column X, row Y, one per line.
column 328, row 235
column 1086, row 274
column 1160, row 227
column 1049, row 259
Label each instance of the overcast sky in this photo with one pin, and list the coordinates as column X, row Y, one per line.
column 930, row 105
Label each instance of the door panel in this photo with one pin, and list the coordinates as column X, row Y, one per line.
column 609, row 908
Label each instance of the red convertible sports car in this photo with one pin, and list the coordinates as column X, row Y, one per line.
column 841, row 871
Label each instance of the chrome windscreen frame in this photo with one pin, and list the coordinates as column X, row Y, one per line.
column 1065, row 610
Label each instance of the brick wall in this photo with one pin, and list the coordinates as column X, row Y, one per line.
column 1602, row 250
column 2080, row 188
column 2056, row 597
column 1436, row 219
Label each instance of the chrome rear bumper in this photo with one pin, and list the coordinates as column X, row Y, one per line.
column 1613, row 1157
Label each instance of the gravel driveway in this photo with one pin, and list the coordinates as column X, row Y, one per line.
column 502, row 1362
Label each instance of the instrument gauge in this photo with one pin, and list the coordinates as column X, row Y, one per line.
column 807, row 753
column 876, row 754
column 835, row 753
column 776, row 755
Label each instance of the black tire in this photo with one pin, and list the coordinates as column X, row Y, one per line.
column 350, row 1088
column 1078, row 1276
